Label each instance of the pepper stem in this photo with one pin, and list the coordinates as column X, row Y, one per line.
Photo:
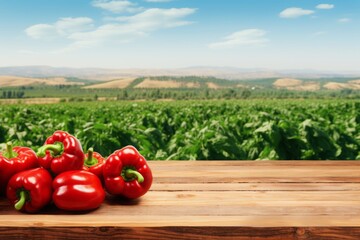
column 9, row 151
column 90, row 160
column 19, row 204
column 55, row 148
column 131, row 173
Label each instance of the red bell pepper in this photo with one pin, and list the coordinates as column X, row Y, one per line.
column 30, row 190
column 15, row 160
column 62, row 152
column 77, row 190
column 94, row 163
column 127, row 174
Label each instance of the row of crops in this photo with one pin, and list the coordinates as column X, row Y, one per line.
column 186, row 130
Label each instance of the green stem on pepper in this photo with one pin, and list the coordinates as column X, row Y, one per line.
column 57, row 148
column 90, row 160
column 18, row 206
column 9, row 151
column 132, row 174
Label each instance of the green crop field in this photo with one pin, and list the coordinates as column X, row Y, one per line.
column 197, row 130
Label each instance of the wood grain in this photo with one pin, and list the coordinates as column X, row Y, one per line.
column 181, row 233
column 215, row 200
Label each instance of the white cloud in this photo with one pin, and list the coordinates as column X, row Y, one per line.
column 243, row 37
column 63, row 27
column 111, row 32
column 117, row 6
column 344, row 20
column 325, row 6
column 82, row 33
column 125, row 29
column 66, row 26
column 295, row 12
column 157, row 18
column 41, row 31
column 158, row 1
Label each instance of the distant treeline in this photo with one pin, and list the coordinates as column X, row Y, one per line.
column 232, row 93
column 76, row 93
column 12, row 94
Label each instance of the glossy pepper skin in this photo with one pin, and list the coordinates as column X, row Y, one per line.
column 62, row 152
column 127, row 174
column 94, row 163
column 30, row 190
column 15, row 160
column 77, row 190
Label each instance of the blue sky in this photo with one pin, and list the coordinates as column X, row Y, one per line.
column 273, row 34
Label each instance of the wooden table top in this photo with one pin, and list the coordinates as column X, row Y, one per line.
column 215, row 199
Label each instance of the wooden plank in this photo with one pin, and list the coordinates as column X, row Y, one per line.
column 249, row 172
column 267, row 173
column 208, row 167
column 240, row 208
column 227, row 203
column 263, row 205
column 182, row 233
column 223, row 210
column 233, row 198
column 259, row 171
column 227, row 179
column 120, row 220
column 256, row 187
column 230, row 210
column 289, row 163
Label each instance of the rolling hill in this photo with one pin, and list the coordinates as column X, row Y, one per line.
column 231, row 73
column 118, row 83
column 14, row 81
column 313, row 85
column 167, row 82
column 182, row 78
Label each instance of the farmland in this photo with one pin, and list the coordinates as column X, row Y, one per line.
column 197, row 130
column 187, row 87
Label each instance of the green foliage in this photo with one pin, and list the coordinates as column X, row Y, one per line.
column 197, row 130
column 12, row 94
column 135, row 82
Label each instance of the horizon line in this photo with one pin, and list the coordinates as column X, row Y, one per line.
column 188, row 67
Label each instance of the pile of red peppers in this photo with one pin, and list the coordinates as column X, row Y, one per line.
column 60, row 173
